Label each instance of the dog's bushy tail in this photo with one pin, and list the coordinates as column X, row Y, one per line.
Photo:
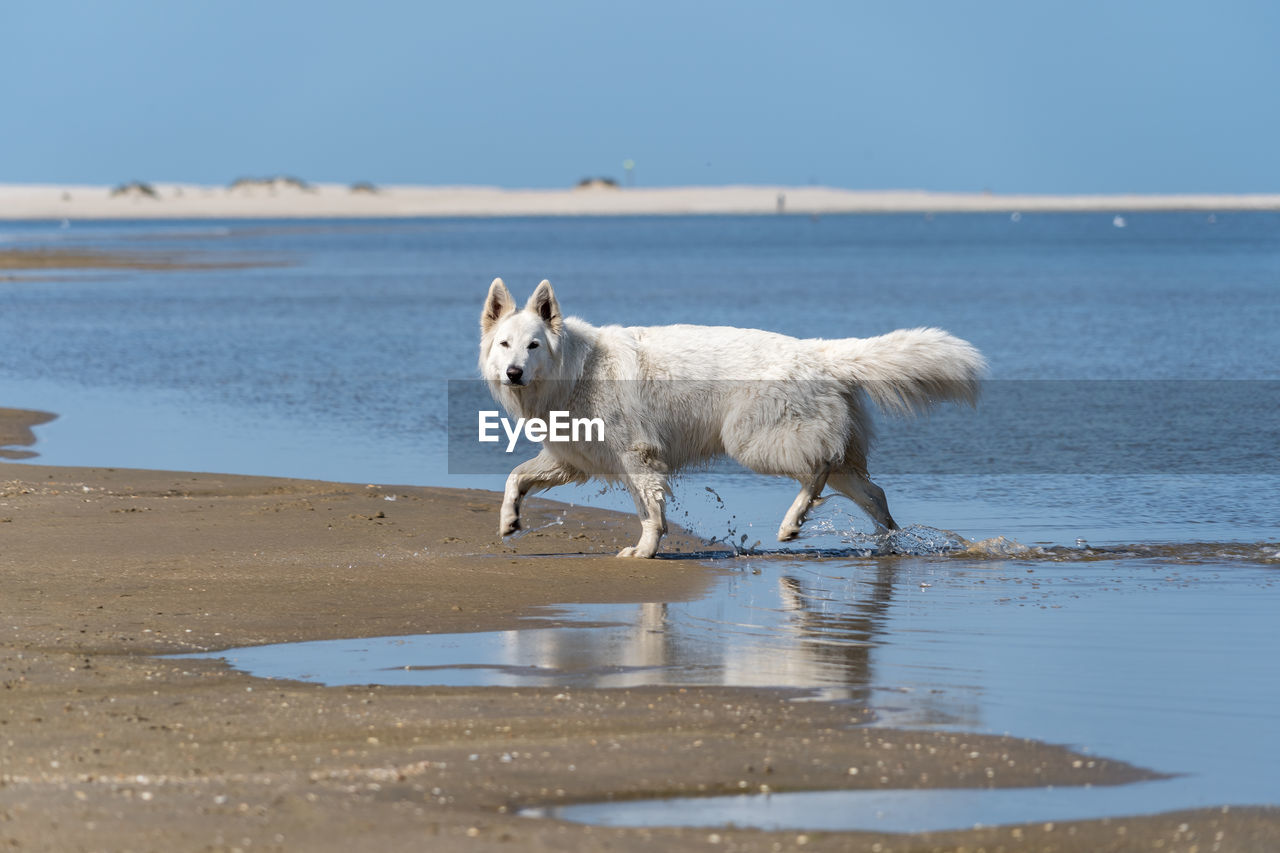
column 907, row 371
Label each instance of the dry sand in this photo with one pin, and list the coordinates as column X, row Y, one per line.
column 57, row 202
column 105, row 747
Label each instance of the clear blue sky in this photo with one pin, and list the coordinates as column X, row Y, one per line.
column 1017, row 96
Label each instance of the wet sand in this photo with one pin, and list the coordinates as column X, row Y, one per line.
column 17, row 264
column 190, row 201
column 16, row 431
column 105, row 746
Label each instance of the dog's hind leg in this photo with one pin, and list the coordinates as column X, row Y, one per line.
column 648, row 488
column 800, row 507
column 866, row 494
column 541, row 472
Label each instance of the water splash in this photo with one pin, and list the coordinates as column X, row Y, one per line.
column 555, row 521
column 921, row 541
column 999, row 547
column 916, row 540
column 734, row 539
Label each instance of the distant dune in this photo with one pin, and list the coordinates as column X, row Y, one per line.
column 189, row 201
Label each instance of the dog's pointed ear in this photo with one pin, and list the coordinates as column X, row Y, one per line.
column 544, row 304
column 497, row 305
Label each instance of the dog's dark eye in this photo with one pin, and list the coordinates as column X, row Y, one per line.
column 504, row 344
column 533, row 344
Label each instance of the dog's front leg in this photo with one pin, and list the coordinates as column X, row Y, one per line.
column 540, row 472
column 509, row 516
column 648, row 487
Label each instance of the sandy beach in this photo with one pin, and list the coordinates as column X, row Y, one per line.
column 108, row 747
column 280, row 200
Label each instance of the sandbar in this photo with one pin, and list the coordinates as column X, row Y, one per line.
column 327, row 200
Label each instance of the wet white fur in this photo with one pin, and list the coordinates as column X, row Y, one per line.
column 674, row 396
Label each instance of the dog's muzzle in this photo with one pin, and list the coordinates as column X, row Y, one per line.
column 515, row 375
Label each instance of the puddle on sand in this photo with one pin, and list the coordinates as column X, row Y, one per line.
column 886, row 810
column 1163, row 656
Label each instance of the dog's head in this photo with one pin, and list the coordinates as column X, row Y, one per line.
column 519, row 347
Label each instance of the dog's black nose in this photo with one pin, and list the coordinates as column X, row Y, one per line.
column 515, row 374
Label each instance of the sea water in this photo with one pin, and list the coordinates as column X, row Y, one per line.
column 333, row 360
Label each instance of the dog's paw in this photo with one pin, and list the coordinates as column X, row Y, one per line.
column 637, row 552
column 506, row 528
column 786, row 533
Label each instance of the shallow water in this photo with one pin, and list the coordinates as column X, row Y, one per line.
column 334, row 365
column 885, row 810
column 1164, row 657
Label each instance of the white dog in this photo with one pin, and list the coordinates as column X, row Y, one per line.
column 674, row 396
